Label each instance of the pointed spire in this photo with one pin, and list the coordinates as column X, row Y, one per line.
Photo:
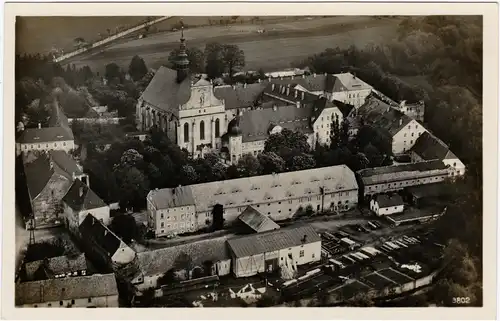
column 182, row 59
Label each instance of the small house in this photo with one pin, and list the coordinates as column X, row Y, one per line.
column 387, row 205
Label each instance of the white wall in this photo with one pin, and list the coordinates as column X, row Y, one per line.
column 352, row 97
column 176, row 220
column 405, row 139
column 457, row 168
column 399, row 185
column 66, row 146
column 123, row 255
column 323, row 124
column 99, row 302
column 382, row 211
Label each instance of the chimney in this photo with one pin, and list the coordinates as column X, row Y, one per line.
column 173, row 191
column 354, row 75
column 314, row 75
column 302, row 95
column 93, row 220
column 39, row 125
column 296, row 92
column 297, row 104
column 401, row 122
column 304, row 239
column 80, row 191
column 272, row 87
column 275, row 108
column 245, row 85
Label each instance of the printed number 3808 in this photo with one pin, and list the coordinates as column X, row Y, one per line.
column 461, row 300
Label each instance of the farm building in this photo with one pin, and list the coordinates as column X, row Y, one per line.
column 184, row 261
column 56, row 267
column 387, row 205
column 270, row 251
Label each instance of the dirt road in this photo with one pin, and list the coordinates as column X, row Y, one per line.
column 281, row 44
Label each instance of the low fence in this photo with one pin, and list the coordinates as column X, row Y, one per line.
column 109, row 39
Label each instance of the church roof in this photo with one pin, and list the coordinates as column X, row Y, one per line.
column 164, row 92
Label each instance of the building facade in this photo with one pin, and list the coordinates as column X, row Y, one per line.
column 80, row 201
column 269, row 251
column 279, row 196
column 45, row 139
column 385, row 179
column 94, row 291
column 386, row 205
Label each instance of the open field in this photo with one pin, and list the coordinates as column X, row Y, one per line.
column 281, row 44
column 32, row 33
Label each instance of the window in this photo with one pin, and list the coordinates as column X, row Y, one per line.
column 411, row 141
column 202, row 130
column 36, row 306
column 55, row 145
column 405, row 134
column 301, row 253
column 313, row 255
column 268, row 213
column 319, row 198
column 269, row 204
column 60, row 302
column 162, row 224
column 186, row 132
column 290, row 202
column 64, row 144
column 161, row 215
column 49, row 305
column 90, row 300
column 412, row 134
column 217, row 127
column 73, row 301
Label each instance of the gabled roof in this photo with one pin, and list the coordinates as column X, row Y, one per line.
column 64, row 163
column 92, row 228
column 239, row 96
column 348, row 81
column 255, row 124
column 58, row 118
column 257, row 221
column 312, row 82
column 58, row 265
column 54, row 290
column 38, row 173
column 171, row 197
column 344, row 108
column 388, row 201
column 80, row 197
column 44, row 135
column 381, row 115
column 272, row 241
column 161, row 260
column 164, row 92
column 287, row 93
column 406, row 171
column 430, row 147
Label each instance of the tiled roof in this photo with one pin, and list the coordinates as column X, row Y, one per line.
column 377, row 113
column 171, row 197
column 431, row 190
column 255, row 124
column 44, row 135
column 239, row 96
column 161, row 260
column 283, row 186
column 430, row 147
column 310, row 83
column 272, row 241
column 408, row 171
column 65, row 163
column 164, row 92
column 58, row 265
column 92, row 228
column 38, row 173
column 58, row 118
column 288, row 94
column 389, row 201
column 348, row 81
column 87, row 200
column 257, row 221
column 53, row 290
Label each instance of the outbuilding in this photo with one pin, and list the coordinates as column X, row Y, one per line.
column 268, row 251
column 387, row 205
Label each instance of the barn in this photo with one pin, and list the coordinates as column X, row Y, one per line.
column 269, row 251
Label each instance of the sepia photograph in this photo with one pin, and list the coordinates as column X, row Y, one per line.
column 248, row 161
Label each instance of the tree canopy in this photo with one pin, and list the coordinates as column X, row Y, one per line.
column 137, row 68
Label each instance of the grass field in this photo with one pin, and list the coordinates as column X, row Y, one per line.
column 42, row 34
column 283, row 42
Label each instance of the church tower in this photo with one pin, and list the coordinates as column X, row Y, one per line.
column 182, row 64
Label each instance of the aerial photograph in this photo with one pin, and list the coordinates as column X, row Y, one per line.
column 248, row 161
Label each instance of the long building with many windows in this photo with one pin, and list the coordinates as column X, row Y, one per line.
column 279, row 196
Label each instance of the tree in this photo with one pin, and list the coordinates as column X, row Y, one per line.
column 113, row 72
column 270, row 163
column 137, row 68
column 196, row 59
column 214, row 63
column 303, row 161
column 234, row 59
column 287, row 143
column 189, row 175
column 133, row 187
column 248, row 165
column 125, row 227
